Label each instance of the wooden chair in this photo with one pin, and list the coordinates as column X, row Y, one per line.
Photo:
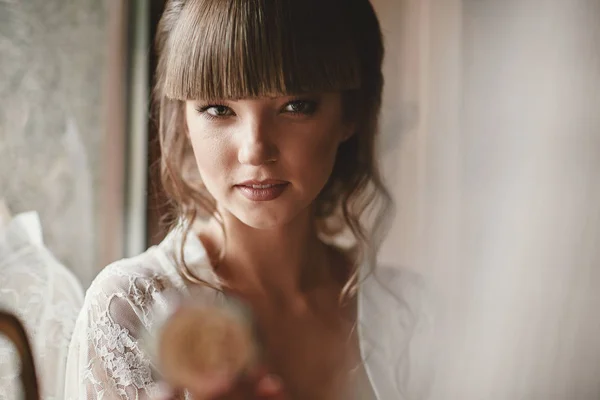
column 11, row 327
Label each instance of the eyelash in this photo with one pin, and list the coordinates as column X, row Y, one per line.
column 203, row 111
column 312, row 106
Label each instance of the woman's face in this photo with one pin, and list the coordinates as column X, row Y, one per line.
column 265, row 160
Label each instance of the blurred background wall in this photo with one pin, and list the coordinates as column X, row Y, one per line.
column 498, row 190
column 53, row 121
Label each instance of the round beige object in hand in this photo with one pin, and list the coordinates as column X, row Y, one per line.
column 203, row 341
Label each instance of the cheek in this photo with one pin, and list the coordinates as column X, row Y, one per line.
column 330, row 142
column 209, row 146
column 318, row 154
column 324, row 152
column 211, row 154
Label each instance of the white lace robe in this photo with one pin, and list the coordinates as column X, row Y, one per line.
column 107, row 361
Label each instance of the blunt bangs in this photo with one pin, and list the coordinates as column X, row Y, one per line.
column 232, row 49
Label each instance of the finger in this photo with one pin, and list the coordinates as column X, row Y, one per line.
column 209, row 386
column 268, row 386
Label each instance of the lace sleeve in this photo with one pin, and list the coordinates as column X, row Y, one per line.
column 105, row 359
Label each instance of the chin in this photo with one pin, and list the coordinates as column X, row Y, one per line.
column 261, row 220
column 263, row 216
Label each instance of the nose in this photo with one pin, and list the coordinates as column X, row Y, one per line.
column 256, row 145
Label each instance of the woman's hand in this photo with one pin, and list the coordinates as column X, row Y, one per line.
column 256, row 385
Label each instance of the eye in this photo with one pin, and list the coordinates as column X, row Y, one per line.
column 306, row 107
column 215, row 110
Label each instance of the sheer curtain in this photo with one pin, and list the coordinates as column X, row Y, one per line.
column 497, row 188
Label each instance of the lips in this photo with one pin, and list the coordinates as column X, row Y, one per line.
column 261, row 186
column 265, row 190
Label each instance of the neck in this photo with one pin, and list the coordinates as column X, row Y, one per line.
column 284, row 260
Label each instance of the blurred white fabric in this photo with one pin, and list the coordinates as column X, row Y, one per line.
column 498, row 190
column 44, row 295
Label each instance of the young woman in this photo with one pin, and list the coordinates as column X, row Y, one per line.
column 267, row 112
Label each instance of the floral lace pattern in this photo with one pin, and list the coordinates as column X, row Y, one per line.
column 106, row 352
column 124, row 363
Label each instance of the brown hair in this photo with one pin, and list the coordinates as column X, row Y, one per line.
column 217, row 49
